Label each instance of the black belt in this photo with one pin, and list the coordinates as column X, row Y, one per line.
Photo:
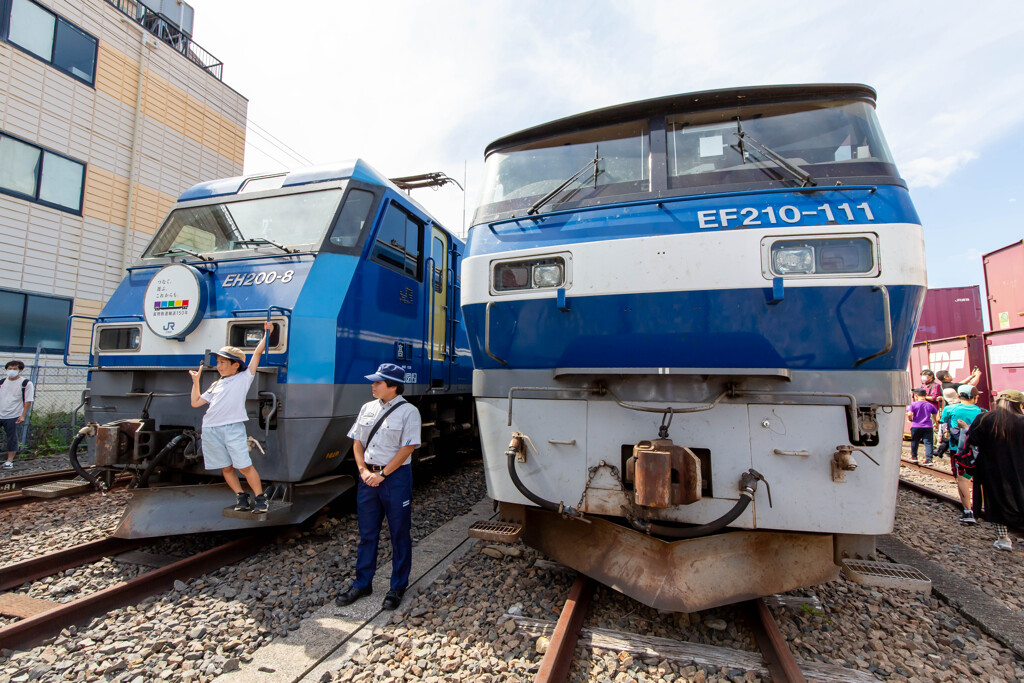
column 376, row 468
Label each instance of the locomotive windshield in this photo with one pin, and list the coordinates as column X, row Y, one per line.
column 286, row 221
column 721, row 150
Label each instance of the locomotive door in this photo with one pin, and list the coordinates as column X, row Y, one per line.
column 438, row 291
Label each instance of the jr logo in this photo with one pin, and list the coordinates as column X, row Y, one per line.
column 947, row 360
column 169, row 327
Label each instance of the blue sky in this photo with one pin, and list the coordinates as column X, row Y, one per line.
column 414, row 87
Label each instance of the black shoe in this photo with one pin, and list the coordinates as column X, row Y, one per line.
column 352, row 595
column 393, row 599
column 261, row 504
column 242, row 502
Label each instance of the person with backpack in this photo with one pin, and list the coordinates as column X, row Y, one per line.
column 958, row 420
column 16, row 396
column 999, row 471
column 385, row 434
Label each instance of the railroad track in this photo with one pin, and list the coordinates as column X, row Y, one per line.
column 775, row 662
column 12, row 488
column 30, row 630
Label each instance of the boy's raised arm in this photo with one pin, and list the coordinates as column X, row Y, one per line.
column 254, row 363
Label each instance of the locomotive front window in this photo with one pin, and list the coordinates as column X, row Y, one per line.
column 609, row 161
column 780, row 146
column 293, row 220
column 120, row 338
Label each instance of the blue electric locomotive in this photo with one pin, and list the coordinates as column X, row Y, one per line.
column 690, row 320
column 351, row 271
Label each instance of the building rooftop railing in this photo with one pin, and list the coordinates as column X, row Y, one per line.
column 168, row 32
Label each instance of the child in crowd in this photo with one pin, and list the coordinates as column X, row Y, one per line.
column 958, row 420
column 950, row 397
column 224, row 438
column 923, row 417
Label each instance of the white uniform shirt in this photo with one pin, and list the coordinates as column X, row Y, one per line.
column 11, row 405
column 227, row 400
column 400, row 428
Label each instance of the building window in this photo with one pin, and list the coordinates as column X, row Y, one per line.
column 51, row 38
column 30, row 320
column 39, row 175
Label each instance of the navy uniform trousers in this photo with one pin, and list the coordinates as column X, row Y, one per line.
column 392, row 499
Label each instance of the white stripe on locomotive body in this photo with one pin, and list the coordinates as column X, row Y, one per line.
column 211, row 334
column 718, row 260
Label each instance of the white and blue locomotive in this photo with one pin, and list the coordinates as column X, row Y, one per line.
column 351, row 271
column 690, row 320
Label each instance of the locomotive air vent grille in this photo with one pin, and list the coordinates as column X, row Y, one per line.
column 887, row 575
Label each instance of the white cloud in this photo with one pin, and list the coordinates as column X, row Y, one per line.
column 928, row 172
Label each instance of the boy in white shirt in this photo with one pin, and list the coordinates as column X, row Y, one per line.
column 224, row 436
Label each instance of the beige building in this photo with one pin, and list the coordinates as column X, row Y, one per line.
column 108, row 111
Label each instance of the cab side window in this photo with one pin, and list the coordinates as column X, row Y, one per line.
column 353, row 218
column 399, row 242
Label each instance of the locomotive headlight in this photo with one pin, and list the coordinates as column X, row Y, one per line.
column 792, row 260
column 549, row 275
column 546, row 272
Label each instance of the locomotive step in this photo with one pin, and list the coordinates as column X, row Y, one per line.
column 57, row 489
column 277, row 509
column 887, row 575
column 499, row 532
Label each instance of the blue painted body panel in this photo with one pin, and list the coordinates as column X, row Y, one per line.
column 347, row 312
column 734, row 328
column 683, row 215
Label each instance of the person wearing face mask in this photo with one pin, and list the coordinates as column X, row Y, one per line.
column 16, row 396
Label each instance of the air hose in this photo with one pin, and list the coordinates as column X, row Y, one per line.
column 517, row 444
column 88, row 430
column 748, row 485
column 158, row 458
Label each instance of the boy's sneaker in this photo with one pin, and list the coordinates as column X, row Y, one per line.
column 968, row 517
column 1003, row 543
column 242, row 502
column 8, row 465
column 261, row 504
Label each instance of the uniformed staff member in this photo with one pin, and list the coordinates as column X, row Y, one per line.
column 385, row 434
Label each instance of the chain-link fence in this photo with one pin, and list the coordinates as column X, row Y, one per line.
column 58, row 392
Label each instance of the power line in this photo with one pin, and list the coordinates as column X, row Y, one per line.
column 277, row 142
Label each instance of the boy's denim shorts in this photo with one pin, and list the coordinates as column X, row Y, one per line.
column 225, row 446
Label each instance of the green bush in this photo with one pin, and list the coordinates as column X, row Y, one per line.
column 49, row 433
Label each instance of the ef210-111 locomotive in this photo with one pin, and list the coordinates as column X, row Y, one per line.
column 690, row 320
column 351, row 271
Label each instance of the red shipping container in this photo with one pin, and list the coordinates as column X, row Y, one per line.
column 1004, row 285
column 950, row 312
column 1005, row 351
column 959, row 355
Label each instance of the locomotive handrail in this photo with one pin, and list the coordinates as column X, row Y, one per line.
column 67, row 339
column 487, row 345
column 286, row 312
column 511, row 392
column 696, row 409
column 689, row 197
column 781, row 395
column 108, row 318
column 888, row 325
column 766, row 373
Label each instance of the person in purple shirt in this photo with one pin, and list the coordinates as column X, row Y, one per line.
column 923, row 417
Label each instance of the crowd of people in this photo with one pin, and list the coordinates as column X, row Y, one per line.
column 986, row 448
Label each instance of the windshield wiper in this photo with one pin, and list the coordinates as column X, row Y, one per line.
column 798, row 173
column 264, row 240
column 546, row 198
column 184, row 250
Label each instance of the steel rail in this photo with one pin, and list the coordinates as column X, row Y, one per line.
column 554, row 668
column 32, row 630
column 918, row 467
column 780, row 662
column 14, row 575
